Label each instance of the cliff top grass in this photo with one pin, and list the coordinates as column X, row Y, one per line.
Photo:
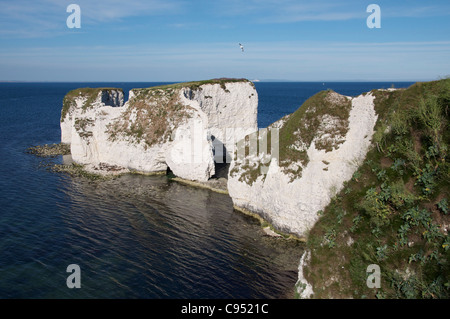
column 322, row 118
column 196, row 84
column 150, row 116
column 153, row 112
column 89, row 93
column 394, row 212
column 193, row 85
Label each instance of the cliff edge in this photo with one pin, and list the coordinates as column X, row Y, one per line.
column 365, row 181
column 184, row 127
column 320, row 146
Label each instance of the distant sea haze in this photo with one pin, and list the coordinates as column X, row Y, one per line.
column 134, row 236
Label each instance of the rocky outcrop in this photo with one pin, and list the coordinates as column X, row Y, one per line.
column 81, row 100
column 184, row 126
column 313, row 152
column 303, row 287
column 231, row 110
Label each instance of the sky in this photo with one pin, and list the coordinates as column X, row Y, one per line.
column 181, row 40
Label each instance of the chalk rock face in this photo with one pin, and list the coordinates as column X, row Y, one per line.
column 313, row 152
column 231, row 110
column 82, row 99
column 157, row 128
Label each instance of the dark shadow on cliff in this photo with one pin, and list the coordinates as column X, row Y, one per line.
column 221, row 158
column 221, row 170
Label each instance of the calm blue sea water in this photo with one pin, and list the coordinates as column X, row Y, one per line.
column 135, row 236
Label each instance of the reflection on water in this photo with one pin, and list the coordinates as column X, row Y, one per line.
column 148, row 237
column 133, row 237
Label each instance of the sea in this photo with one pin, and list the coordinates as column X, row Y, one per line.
column 133, row 237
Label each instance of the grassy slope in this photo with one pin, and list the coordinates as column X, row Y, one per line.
column 305, row 124
column 156, row 110
column 149, row 116
column 394, row 212
column 301, row 128
column 90, row 93
column 194, row 85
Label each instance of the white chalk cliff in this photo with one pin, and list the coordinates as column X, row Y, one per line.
column 286, row 173
column 327, row 139
column 184, row 127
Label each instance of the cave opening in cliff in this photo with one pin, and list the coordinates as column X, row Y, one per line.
column 221, row 159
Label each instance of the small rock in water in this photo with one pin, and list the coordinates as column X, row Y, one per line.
column 270, row 232
column 51, row 150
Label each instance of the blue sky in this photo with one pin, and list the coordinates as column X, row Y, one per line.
column 180, row 40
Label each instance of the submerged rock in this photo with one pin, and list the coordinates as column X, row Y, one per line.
column 49, row 150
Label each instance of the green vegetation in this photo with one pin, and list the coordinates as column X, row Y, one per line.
column 255, row 162
column 324, row 115
column 82, row 125
column 49, row 150
column 77, row 170
column 90, row 94
column 196, row 85
column 154, row 111
column 394, row 211
column 150, row 116
column 322, row 118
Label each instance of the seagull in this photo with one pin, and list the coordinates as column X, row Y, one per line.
column 242, row 47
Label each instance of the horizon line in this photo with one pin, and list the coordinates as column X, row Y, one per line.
column 254, row 80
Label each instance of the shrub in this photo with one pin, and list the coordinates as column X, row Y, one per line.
column 400, row 196
column 400, row 122
column 340, row 216
column 426, row 178
column 379, row 137
column 356, row 176
column 356, row 222
column 330, row 238
column 432, row 232
column 398, row 165
column 443, row 206
column 382, row 252
column 374, row 205
column 415, row 216
column 429, row 113
column 403, row 234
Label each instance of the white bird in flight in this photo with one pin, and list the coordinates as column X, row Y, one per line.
column 242, row 47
